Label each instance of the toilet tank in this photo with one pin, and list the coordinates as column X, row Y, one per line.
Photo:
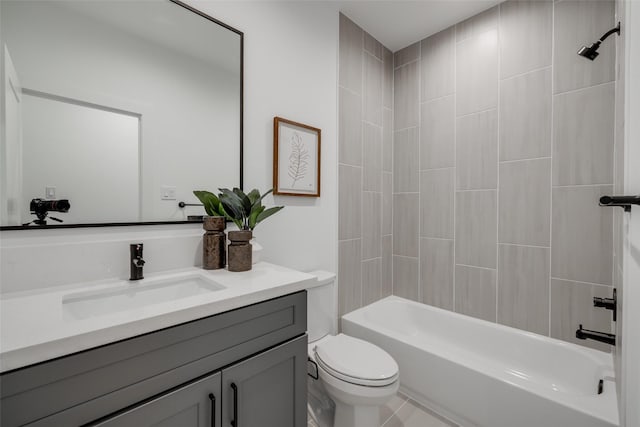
column 322, row 311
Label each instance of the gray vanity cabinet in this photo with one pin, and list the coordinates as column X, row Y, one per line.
column 164, row 378
column 267, row 390
column 194, row 405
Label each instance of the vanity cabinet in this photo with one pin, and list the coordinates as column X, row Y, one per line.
column 246, row 365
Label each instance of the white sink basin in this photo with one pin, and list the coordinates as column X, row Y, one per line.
column 130, row 295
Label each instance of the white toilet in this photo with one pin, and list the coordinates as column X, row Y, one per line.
column 356, row 375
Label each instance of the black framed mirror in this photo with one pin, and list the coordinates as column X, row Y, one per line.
column 120, row 108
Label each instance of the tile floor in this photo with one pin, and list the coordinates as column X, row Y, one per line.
column 404, row 412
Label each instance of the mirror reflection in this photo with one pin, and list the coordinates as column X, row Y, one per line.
column 121, row 108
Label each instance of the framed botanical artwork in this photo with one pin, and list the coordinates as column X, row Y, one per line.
column 296, row 159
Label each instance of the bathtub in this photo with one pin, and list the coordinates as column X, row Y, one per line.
column 478, row 373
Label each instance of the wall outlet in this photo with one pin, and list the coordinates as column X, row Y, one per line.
column 50, row 192
column 167, row 192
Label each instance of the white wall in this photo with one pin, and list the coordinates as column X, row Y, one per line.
column 290, row 71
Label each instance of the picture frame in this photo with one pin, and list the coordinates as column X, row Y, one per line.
column 296, row 158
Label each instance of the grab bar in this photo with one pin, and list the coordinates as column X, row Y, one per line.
column 624, row 202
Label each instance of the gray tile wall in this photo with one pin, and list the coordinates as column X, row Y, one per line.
column 365, row 165
column 503, row 143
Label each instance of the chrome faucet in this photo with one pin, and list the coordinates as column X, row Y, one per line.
column 136, row 261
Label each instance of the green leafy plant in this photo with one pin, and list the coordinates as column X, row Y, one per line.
column 245, row 210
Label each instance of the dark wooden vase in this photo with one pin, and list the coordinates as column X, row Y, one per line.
column 214, row 241
column 240, row 250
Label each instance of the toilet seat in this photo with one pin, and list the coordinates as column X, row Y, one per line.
column 356, row 361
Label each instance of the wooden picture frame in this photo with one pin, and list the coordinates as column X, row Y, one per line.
column 296, row 159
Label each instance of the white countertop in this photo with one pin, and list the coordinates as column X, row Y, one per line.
column 34, row 326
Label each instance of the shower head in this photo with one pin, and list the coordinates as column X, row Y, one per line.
column 591, row 52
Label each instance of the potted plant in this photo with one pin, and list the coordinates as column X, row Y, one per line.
column 246, row 211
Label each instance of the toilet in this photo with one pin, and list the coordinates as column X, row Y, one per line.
column 349, row 379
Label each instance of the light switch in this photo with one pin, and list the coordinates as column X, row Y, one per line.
column 167, row 192
column 50, row 192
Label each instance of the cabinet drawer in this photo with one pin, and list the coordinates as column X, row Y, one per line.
column 84, row 386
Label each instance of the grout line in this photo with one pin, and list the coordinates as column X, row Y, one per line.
column 455, row 164
column 525, row 160
column 367, row 52
column 479, row 189
column 527, row 72
column 581, row 185
column 406, row 399
column 437, row 238
column 371, row 123
column 350, row 240
column 475, row 112
column 349, row 165
column 405, row 256
column 438, row 98
column 581, row 281
column 524, row 246
column 437, row 169
column 351, row 91
column 611, row 82
column 403, row 129
column 553, row 17
column 475, row 266
column 406, row 192
column 362, row 174
column 406, row 63
column 419, row 153
column 497, row 284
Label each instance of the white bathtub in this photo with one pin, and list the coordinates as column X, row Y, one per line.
column 478, row 373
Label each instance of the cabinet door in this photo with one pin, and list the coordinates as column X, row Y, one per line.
column 268, row 390
column 194, row 405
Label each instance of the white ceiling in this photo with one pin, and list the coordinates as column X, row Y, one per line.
column 399, row 23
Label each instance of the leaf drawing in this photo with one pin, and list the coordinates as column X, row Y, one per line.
column 298, row 159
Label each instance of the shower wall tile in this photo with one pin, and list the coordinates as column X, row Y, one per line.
column 406, row 224
column 349, row 276
column 371, row 280
column 477, row 24
column 405, row 277
column 386, row 287
column 405, row 161
column 387, row 78
column 372, row 157
column 572, row 305
column 437, row 133
column 436, row 272
column 579, row 23
column 373, row 46
column 438, row 65
column 525, row 202
column 584, row 136
column 349, row 202
column 525, row 116
column 477, row 73
column 476, row 228
column 350, row 125
column 436, row 203
column 523, row 288
column 351, row 46
column 476, row 292
column 372, row 86
column 371, row 225
column 582, row 242
column 387, row 203
column 387, row 140
column 525, row 36
column 406, row 55
column 406, row 96
column 477, row 151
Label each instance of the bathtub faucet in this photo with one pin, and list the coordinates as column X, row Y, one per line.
column 604, row 337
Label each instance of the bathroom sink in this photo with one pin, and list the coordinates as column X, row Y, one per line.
column 128, row 295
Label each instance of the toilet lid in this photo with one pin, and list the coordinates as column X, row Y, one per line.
column 356, row 361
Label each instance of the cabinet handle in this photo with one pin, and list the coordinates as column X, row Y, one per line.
column 212, row 398
column 234, row 421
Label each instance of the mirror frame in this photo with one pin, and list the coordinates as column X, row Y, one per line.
column 241, row 185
